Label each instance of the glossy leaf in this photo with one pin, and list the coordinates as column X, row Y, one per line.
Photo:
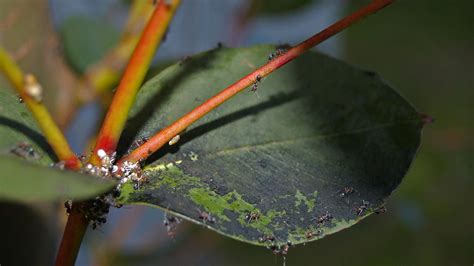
column 19, row 133
column 25, row 157
column 28, row 182
column 319, row 146
column 86, row 41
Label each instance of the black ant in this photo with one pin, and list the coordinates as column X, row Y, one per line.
column 362, row 208
column 258, row 79
column 324, row 218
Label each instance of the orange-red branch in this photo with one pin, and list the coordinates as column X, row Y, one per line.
column 162, row 138
column 133, row 77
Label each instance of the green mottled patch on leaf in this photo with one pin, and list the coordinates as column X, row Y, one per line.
column 309, row 202
column 282, row 155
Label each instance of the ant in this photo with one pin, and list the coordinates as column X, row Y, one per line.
column 25, row 151
column 206, row 217
column 252, row 216
column 310, row 234
column 324, row 218
column 362, row 208
column 258, row 79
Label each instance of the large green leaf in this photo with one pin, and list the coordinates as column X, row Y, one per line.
column 28, row 182
column 86, row 40
column 314, row 128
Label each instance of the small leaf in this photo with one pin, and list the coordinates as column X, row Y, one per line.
column 319, row 146
column 19, row 133
column 28, row 182
column 86, row 41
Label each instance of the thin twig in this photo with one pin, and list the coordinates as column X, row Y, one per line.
column 100, row 77
column 30, row 91
column 133, row 77
column 162, row 137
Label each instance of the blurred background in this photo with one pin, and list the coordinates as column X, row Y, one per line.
column 424, row 48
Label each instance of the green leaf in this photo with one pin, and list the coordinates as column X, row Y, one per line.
column 28, row 178
column 286, row 152
column 27, row 182
column 18, row 129
column 86, row 41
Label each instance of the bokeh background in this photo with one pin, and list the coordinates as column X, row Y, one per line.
column 424, row 48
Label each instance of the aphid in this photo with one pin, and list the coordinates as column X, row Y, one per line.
column 347, row 191
column 380, row 210
column 324, row 218
column 174, row 140
column 33, row 88
column 25, row 151
column 252, row 216
column 206, row 217
column 20, row 99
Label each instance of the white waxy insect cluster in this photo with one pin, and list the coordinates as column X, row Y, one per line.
column 127, row 172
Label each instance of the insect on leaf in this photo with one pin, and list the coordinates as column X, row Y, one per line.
column 317, row 147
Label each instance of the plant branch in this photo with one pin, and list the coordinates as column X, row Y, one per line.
column 30, row 92
column 74, row 232
column 133, row 77
column 100, row 77
column 162, row 137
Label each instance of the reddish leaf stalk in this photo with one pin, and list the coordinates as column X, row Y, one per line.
column 73, row 234
column 115, row 119
column 133, row 77
column 162, row 137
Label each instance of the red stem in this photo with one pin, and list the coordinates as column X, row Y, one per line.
column 162, row 137
column 133, row 77
column 73, row 234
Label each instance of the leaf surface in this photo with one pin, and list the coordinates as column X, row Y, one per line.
column 27, row 182
column 319, row 146
column 18, row 129
column 25, row 157
column 86, row 41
